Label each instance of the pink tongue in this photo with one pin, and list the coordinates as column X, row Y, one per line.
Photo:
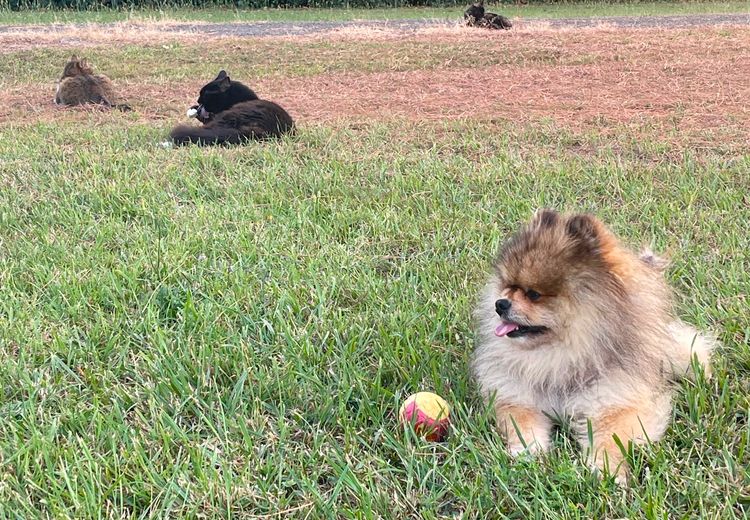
column 504, row 328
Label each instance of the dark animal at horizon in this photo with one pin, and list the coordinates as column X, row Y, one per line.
column 476, row 16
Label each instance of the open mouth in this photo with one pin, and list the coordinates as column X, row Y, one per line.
column 514, row 330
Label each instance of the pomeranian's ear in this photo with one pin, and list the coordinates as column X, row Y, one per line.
column 545, row 218
column 585, row 230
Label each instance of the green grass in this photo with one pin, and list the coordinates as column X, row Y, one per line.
column 559, row 10
column 229, row 332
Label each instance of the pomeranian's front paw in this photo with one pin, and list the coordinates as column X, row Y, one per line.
column 622, row 478
column 618, row 469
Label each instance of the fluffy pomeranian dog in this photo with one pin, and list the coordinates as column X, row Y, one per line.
column 574, row 326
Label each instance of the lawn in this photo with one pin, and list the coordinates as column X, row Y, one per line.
column 229, row 332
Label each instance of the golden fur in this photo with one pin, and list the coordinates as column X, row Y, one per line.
column 587, row 334
column 79, row 85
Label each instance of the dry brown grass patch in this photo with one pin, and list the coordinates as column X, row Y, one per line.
column 684, row 80
column 89, row 35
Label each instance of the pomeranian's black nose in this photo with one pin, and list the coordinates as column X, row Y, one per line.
column 502, row 305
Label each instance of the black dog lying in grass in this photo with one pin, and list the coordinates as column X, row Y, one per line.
column 475, row 16
column 232, row 113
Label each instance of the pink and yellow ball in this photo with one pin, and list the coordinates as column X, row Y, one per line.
column 428, row 413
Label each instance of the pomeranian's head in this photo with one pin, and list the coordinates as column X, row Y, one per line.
column 561, row 274
column 76, row 67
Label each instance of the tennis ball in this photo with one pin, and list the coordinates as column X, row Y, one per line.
column 429, row 413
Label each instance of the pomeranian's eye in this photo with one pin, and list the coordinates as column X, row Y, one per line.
column 532, row 295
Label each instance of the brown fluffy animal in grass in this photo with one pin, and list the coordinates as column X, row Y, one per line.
column 78, row 85
column 572, row 325
column 476, row 16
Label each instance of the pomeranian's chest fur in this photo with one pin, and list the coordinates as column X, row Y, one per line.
column 560, row 378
